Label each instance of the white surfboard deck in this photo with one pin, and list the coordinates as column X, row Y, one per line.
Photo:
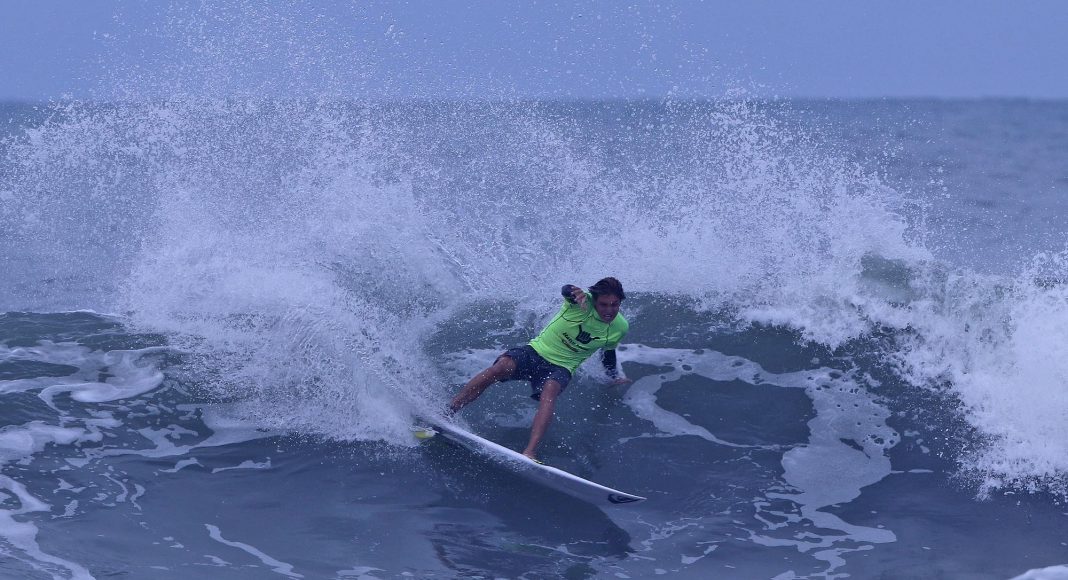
column 547, row 475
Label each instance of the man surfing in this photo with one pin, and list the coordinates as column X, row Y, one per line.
column 587, row 321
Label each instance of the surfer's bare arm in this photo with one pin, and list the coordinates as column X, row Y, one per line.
column 608, row 359
column 574, row 295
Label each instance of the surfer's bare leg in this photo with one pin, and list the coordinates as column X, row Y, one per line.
column 543, row 417
column 501, row 370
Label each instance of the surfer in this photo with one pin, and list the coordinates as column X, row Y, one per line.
column 587, row 321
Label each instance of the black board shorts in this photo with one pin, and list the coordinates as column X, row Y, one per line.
column 530, row 366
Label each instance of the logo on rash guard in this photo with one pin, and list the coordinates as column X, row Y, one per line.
column 584, row 337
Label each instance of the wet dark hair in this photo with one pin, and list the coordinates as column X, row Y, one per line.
column 608, row 286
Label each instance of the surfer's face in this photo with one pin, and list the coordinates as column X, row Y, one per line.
column 607, row 306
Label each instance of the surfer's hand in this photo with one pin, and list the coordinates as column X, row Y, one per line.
column 621, row 381
column 578, row 296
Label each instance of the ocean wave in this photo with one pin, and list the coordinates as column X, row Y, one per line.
column 307, row 247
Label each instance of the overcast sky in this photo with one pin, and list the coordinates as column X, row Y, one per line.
column 826, row 48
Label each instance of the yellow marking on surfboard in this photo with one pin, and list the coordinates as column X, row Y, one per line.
column 423, row 432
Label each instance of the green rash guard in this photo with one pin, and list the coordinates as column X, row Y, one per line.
column 575, row 333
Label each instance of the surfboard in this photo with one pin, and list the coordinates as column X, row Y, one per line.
column 522, row 465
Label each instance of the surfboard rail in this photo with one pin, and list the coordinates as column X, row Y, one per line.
column 552, row 477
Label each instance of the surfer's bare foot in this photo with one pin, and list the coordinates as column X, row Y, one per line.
column 531, row 457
